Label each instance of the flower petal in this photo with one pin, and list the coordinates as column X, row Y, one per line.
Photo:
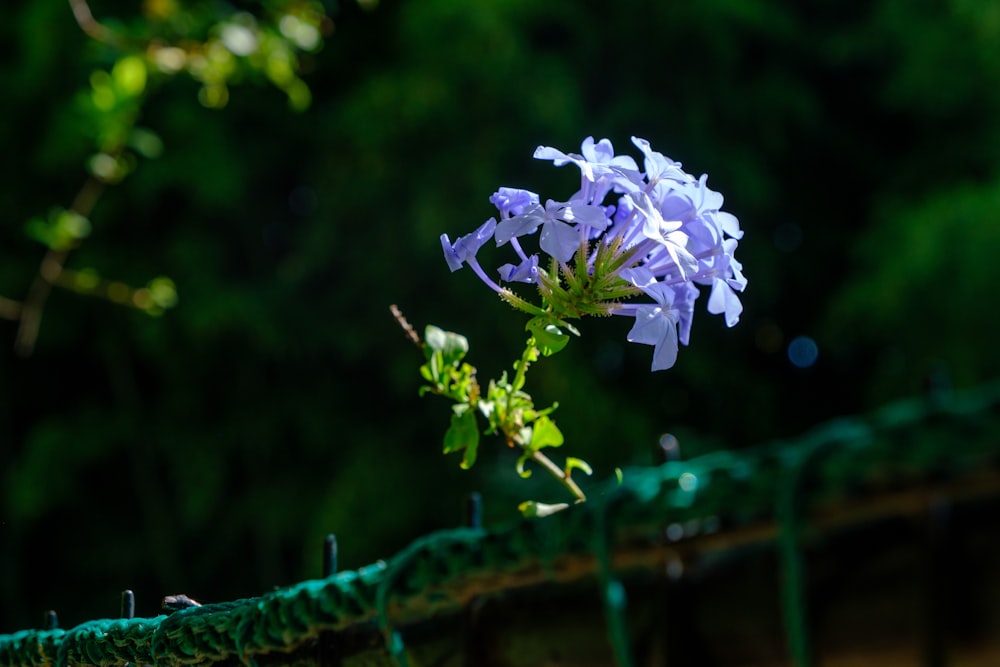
column 559, row 240
column 724, row 300
column 467, row 246
column 658, row 327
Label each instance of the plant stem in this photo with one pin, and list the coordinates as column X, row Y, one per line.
column 561, row 475
column 530, row 353
column 88, row 24
column 10, row 309
column 519, row 303
column 49, row 271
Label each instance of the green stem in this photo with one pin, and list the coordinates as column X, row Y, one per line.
column 559, row 474
column 519, row 303
column 530, row 353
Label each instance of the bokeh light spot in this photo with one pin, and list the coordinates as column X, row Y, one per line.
column 670, row 447
column 688, row 481
column 803, row 352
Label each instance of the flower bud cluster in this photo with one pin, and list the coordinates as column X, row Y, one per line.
column 656, row 232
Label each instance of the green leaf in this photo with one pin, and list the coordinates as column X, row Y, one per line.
column 40, row 231
column 456, row 347
column 452, row 346
column 525, row 474
column 434, row 337
column 158, row 296
column 433, row 367
column 531, row 509
column 129, row 75
column 548, row 337
column 463, row 433
column 102, row 95
column 545, row 433
column 573, row 463
column 163, row 291
column 146, row 142
column 72, row 226
column 470, row 455
column 425, row 372
column 531, row 414
column 62, row 231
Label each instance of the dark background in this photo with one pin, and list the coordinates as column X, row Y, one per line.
column 209, row 451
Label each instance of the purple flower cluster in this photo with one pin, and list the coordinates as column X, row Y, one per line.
column 657, row 232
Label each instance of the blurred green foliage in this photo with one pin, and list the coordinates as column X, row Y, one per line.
column 209, row 450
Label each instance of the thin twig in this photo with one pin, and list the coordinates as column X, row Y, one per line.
column 34, row 303
column 49, row 271
column 407, row 327
column 560, row 475
column 88, row 24
column 30, row 311
column 10, row 309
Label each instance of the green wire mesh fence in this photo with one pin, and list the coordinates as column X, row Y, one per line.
column 901, row 460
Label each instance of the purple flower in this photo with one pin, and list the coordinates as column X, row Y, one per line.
column 659, row 230
column 525, row 272
column 559, row 238
column 656, row 325
column 596, row 161
column 466, row 247
column 513, row 201
column 663, row 324
column 665, row 233
column 728, row 279
column 724, row 300
column 464, row 250
column 658, row 166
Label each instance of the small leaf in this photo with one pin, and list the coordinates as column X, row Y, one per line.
column 528, row 509
column 163, row 291
column 103, row 94
column 573, row 463
column 532, row 414
column 106, row 167
column 146, row 142
column 62, row 231
column 86, row 280
column 470, row 454
column 525, row 474
column 545, row 434
column 434, row 367
column 434, row 337
column 129, row 75
column 456, row 347
column 425, row 373
column 72, row 225
column 549, row 339
column 452, row 346
column 463, row 433
column 532, row 509
column 40, row 231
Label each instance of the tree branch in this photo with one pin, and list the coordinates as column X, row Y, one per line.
column 88, row 24
column 49, row 271
column 10, row 309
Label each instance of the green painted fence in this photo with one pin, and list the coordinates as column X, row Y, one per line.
column 414, row 608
